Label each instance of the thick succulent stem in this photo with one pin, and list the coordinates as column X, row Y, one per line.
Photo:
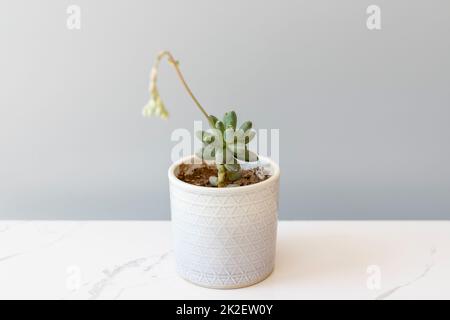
column 221, row 175
column 174, row 63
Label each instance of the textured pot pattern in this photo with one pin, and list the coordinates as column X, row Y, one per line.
column 225, row 238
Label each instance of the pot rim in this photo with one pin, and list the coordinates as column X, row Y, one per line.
column 179, row 183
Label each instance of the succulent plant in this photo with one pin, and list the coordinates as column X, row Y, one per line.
column 226, row 145
column 223, row 143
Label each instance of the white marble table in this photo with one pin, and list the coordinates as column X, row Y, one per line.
column 315, row 260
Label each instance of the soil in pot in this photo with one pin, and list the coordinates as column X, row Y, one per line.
column 198, row 174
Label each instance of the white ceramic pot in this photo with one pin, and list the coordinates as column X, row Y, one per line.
column 225, row 237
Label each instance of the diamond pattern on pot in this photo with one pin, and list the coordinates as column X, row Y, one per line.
column 225, row 239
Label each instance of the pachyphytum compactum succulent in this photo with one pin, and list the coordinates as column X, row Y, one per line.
column 223, row 142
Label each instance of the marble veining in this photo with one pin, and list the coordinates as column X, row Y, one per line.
column 423, row 274
column 144, row 264
column 56, row 237
column 135, row 260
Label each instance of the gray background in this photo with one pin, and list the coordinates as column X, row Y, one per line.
column 363, row 115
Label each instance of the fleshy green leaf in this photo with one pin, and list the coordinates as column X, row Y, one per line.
column 212, row 121
column 204, row 136
column 233, row 176
column 233, row 167
column 223, row 156
column 246, row 126
column 230, row 120
column 239, row 136
column 206, row 153
column 241, row 152
column 249, row 135
column 220, row 126
column 236, row 147
column 229, row 135
column 217, row 135
column 250, row 156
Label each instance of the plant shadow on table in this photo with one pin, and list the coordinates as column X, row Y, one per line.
column 331, row 257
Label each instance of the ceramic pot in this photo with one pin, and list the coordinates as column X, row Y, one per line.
column 225, row 237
